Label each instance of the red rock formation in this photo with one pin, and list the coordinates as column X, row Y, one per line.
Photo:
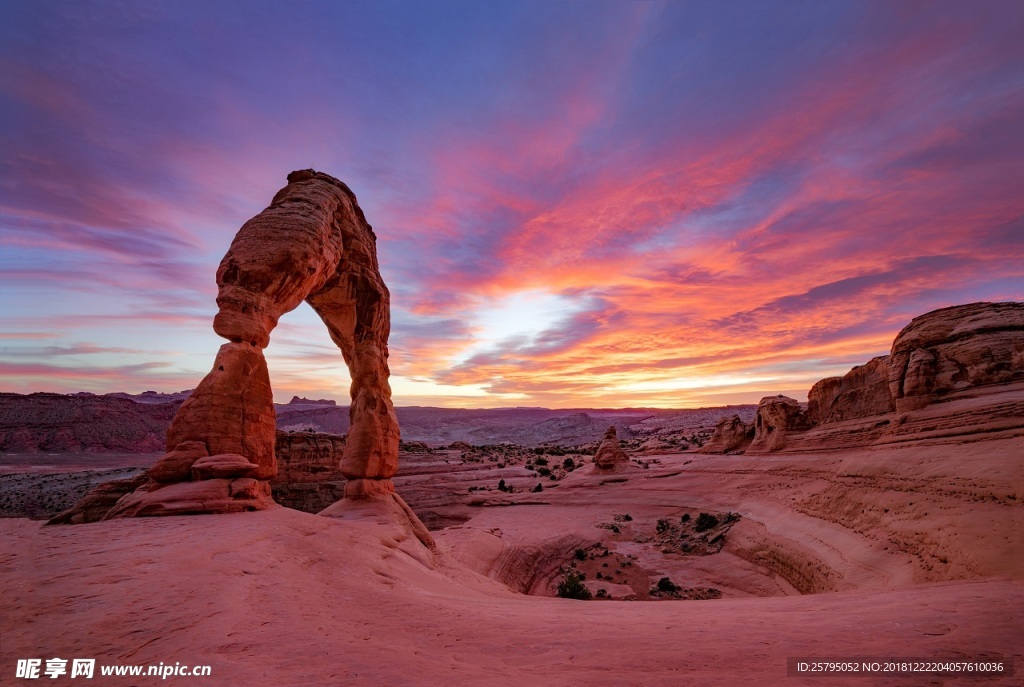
column 308, row 457
column 308, row 470
column 863, row 392
column 820, row 398
column 731, row 435
column 953, row 349
column 232, row 409
column 776, row 417
column 314, row 244
column 610, row 454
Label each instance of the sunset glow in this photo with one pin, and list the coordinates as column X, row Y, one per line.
column 602, row 204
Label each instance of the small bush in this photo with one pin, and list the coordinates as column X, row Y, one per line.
column 569, row 464
column 685, row 518
column 543, row 472
column 602, row 593
column 581, row 554
column 572, row 588
column 705, row 522
column 538, row 488
column 666, row 585
column 540, row 461
column 501, row 485
column 662, row 525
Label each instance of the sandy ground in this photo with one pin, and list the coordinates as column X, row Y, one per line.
column 913, row 551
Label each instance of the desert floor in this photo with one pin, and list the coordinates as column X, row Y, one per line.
column 913, row 551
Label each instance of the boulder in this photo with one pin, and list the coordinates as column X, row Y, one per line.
column 176, row 465
column 223, row 466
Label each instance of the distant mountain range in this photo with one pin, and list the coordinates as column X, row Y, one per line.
column 137, row 423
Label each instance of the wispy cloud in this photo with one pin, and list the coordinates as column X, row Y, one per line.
column 692, row 203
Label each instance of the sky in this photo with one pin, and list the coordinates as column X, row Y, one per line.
column 577, row 204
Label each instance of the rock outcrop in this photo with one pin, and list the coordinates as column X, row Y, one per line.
column 953, row 349
column 820, row 398
column 311, row 244
column 731, row 435
column 308, row 470
column 861, row 392
column 777, row 416
column 610, row 454
column 951, row 372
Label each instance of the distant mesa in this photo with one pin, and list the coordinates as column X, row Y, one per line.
column 610, row 454
column 311, row 244
column 298, row 400
column 950, row 372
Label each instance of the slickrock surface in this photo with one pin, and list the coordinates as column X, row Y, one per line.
column 610, row 454
column 910, row 550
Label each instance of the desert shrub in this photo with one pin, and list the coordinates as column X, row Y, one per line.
column 662, row 525
column 666, row 585
column 685, row 518
column 501, row 485
column 581, row 554
column 538, row 488
column 540, row 461
column 543, row 472
column 705, row 522
column 602, row 593
column 572, row 588
column 569, row 464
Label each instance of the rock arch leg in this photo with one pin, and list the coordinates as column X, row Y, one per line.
column 356, row 309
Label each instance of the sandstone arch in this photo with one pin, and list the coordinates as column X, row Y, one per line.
column 311, row 244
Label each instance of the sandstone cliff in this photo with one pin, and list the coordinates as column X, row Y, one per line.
column 951, row 372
